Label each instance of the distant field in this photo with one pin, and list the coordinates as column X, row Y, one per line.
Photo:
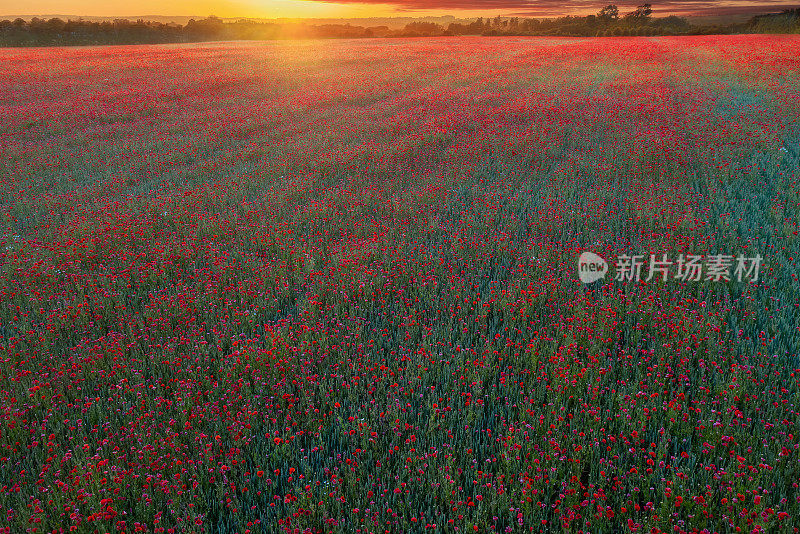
column 332, row 286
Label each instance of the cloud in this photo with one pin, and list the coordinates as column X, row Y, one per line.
column 551, row 8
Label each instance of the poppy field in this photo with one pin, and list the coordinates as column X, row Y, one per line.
column 332, row 286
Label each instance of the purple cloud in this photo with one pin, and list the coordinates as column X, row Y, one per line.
column 543, row 8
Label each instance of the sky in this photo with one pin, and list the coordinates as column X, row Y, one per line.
column 370, row 8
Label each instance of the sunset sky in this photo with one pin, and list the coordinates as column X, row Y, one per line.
column 368, row 8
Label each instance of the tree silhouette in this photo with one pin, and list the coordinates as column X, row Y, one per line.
column 641, row 13
column 609, row 13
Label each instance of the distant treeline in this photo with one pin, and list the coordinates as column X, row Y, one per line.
column 607, row 22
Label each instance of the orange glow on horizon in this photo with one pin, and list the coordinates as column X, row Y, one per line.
column 203, row 8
